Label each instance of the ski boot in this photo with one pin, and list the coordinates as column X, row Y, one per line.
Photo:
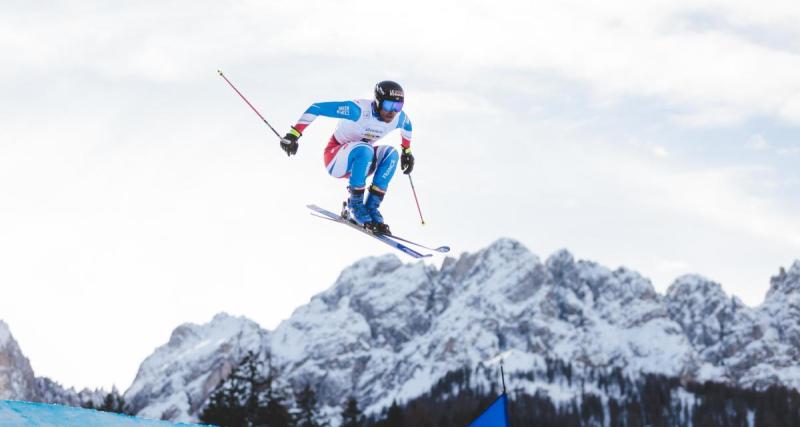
column 358, row 212
column 374, row 200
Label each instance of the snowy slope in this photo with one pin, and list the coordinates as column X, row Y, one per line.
column 175, row 381
column 388, row 330
column 26, row 414
column 409, row 324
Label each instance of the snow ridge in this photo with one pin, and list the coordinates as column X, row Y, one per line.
column 174, row 382
column 18, row 382
column 387, row 330
column 16, row 376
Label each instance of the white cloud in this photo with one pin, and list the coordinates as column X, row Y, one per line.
column 790, row 110
column 790, row 151
column 660, row 151
column 711, row 76
column 757, row 143
column 128, row 168
column 443, row 103
column 719, row 196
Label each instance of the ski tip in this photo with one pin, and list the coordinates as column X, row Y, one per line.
column 443, row 249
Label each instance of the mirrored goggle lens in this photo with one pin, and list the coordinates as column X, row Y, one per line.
column 388, row 105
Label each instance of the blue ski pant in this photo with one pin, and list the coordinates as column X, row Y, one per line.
column 358, row 160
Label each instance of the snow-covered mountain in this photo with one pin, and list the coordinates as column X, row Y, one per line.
column 18, row 382
column 388, row 330
column 16, row 376
column 175, row 381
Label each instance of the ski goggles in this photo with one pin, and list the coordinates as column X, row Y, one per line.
column 389, row 105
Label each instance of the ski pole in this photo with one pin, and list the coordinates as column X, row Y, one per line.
column 248, row 103
column 413, row 190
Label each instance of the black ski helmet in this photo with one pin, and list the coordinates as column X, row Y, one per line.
column 390, row 90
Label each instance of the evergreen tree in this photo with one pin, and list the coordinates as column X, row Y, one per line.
column 224, row 409
column 247, row 398
column 633, row 410
column 307, row 413
column 276, row 414
column 227, row 403
column 351, row 415
column 272, row 409
column 250, row 397
column 592, row 412
column 394, row 417
column 614, row 413
column 113, row 402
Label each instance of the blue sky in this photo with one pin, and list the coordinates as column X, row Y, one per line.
column 136, row 186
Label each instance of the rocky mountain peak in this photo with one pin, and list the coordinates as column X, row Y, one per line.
column 570, row 276
column 386, row 330
column 369, row 267
column 560, row 261
column 505, row 248
column 502, row 255
column 782, row 315
column 717, row 326
column 786, row 282
column 181, row 374
column 696, row 288
column 16, row 376
column 17, row 380
column 5, row 334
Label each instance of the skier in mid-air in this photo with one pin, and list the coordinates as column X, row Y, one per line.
column 351, row 152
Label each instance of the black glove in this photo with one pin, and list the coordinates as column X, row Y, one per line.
column 289, row 142
column 407, row 161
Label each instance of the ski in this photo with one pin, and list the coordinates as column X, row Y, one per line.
column 440, row 249
column 326, row 214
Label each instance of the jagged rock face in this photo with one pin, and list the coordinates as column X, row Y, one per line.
column 50, row 391
column 388, row 330
column 776, row 356
column 342, row 340
column 175, row 381
column 783, row 307
column 720, row 329
column 17, row 381
column 785, row 284
column 744, row 346
column 607, row 318
column 717, row 326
